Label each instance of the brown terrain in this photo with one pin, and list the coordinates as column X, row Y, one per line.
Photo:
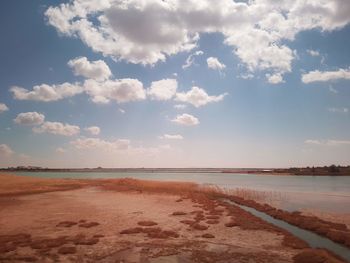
column 127, row 220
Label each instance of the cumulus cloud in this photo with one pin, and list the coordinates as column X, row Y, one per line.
column 30, row 118
column 215, row 64
column 328, row 142
column 246, row 76
column 313, row 53
column 163, row 89
column 5, row 150
column 190, row 59
column 46, row 92
column 96, row 143
column 93, row 130
column 324, row 76
column 198, row 97
column 57, row 128
column 97, row 70
column 120, row 90
column 180, row 106
column 186, row 120
column 148, row 31
column 172, row 137
column 3, row 108
column 274, row 78
column 117, row 146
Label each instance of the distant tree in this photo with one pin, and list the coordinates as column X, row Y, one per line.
column 333, row 169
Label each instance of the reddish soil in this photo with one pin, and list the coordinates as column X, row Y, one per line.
column 136, row 221
column 147, row 223
column 88, row 224
column 212, row 222
column 337, row 232
column 179, row 213
column 67, row 250
column 212, row 217
column 315, row 256
column 199, row 226
column 151, row 232
column 66, row 224
column 208, row 235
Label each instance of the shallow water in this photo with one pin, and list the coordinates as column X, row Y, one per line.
column 325, row 193
column 314, row 240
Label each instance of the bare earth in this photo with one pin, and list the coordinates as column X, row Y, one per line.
column 44, row 220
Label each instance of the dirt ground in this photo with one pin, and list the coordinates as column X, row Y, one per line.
column 60, row 221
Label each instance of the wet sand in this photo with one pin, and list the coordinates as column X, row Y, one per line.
column 49, row 220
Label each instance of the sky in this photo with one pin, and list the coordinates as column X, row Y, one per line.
column 190, row 83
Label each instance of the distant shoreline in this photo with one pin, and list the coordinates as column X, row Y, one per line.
column 313, row 171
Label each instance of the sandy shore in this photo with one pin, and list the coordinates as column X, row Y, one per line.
column 45, row 220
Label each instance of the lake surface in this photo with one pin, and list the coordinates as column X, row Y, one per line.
column 325, row 193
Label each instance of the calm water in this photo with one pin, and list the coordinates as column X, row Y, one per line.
column 311, row 238
column 325, row 193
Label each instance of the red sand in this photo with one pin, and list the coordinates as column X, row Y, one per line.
column 132, row 221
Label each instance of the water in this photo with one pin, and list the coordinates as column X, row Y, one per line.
column 324, row 193
column 314, row 240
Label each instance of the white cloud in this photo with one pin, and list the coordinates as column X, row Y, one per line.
column 60, row 150
column 57, row 128
column 120, row 90
column 316, row 75
column 246, row 76
column 215, row 64
column 96, row 143
column 3, row 108
column 93, row 130
column 328, row 142
column 122, row 111
column 46, row 92
column 313, row 53
column 312, row 141
column 180, row 106
column 29, row 118
column 190, row 59
column 122, row 147
column 198, row 97
column 172, row 137
column 338, row 142
column 97, row 70
column 338, row 110
column 163, row 89
column 274, row 78
column 148, row 31
column 186, row 120
column 5, row 150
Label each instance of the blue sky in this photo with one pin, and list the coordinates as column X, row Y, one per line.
column 259, row 90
